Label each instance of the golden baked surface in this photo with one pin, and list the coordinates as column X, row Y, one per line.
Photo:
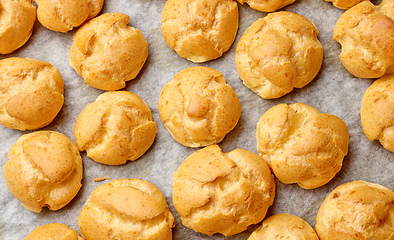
column 284, row 226
column 377, row 112
column 15, row 33
column 345, row 4
column 267, row 5
column 216, row 192
column 117, row 127
column 366, row 34
column 278, row 53
column 31, row 93
column 200, row 30
column 53, row 231
column 302, row 145
column 107, row 52
column 126, row 209
column 198, row 108
column 356, row 210
column 44, row 169
column 64, row 15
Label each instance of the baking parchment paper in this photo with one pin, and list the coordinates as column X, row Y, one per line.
column 333, row 91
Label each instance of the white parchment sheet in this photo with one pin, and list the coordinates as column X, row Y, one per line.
column 333, row 91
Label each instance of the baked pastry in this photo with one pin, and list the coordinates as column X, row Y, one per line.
column 356, row 210
column 16, row 24
column 116, row 128
column 216, row 192
column 366, row 34
column 377, row 112
column 107, row 52
column 198, row 108
column 44, row 169
column 302, row 145
column 63, row 16
column 200, row 30
column 53, row 231
column 284, row 226
column 278, row 53
column 31, row 93
column 267, row 5
column 126, row 209
column 345, row 4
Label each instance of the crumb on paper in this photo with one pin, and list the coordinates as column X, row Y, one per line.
column 99, row 179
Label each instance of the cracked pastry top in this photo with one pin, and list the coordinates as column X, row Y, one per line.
column 278, row 53
column 200, row 30
column 345, row 4
column 284, row 226
column 356, row 210
column 107, row 52
column 198, row 108
column 53, row 231
column 267, row 5
column 366, row 35
column 63, row 16
column 302, row 145
column 126, row 209
column 44, row 169
column 217, row 192
column 377, row 112
column 31, row 93
column 16, row 24
column 117, row 127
